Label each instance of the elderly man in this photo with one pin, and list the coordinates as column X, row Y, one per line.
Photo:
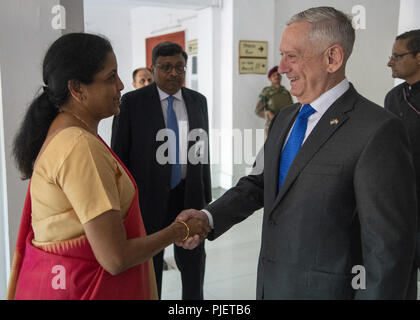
column 337, row 187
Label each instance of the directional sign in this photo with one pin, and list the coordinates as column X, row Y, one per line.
column 253, row 49
column 253, row 65
column 192, row 46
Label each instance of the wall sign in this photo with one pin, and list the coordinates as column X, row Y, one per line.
column 192, row 46
column 253, row 65
column 253, row 57
column 253, row 49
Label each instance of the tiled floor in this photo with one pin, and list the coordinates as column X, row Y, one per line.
column 231, row 265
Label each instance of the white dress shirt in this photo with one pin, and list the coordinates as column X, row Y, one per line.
column 321, row 105
column 183, row 126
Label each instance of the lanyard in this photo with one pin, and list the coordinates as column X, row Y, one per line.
column 408, row 102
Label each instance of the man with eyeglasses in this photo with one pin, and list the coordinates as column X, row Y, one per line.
column 165, row 189
column 404, row 99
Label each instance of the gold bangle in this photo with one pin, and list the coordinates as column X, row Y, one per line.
column 188, row 230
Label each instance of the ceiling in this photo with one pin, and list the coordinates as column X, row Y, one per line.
column 180, row 4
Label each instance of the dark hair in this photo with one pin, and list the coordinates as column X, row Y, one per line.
column 140, row 69
column 74, row 56
column 413, row 43
column 166, row 49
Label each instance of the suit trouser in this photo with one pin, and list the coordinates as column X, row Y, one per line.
column 191, row 263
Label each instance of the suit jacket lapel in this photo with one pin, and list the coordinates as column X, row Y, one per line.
column 333, row 119
column 154, row 107
column 192, row 111
column 193, row 114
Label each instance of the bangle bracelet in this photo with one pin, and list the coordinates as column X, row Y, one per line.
column 188, row 230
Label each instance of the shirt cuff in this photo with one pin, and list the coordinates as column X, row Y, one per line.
column 210, row 218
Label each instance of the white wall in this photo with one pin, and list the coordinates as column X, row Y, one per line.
column 209, row 55
column 22, row 24
column 151, row 22
column 409, row 17
column 25, row 34
column 127, row 27
column 113, row 22
column 366, row 68
column 252, row 21
column 235, row 95
column 4, row 230
column 223, row 111
column 408, row 20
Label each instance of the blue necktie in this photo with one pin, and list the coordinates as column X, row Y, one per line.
column 172, row 124
column 294, row 142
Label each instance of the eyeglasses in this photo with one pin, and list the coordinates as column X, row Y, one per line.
column 168, row 68
column 396, row 57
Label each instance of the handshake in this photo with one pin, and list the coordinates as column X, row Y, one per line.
column 198, row 225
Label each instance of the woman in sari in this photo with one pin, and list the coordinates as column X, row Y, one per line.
column 81, row 234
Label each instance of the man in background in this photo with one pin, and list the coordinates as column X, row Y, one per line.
column 165, row 189
column 404, row 99
column 142, row 77
column 272, row 98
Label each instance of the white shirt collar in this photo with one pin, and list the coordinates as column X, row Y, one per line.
column 163, row 95
column 325, row 100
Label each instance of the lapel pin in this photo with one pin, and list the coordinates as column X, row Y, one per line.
column 333, row 121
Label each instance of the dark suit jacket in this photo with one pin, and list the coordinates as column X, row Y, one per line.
column 394, row 102
column 348, row 199
column 134, row 141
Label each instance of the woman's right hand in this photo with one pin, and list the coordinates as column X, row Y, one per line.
column 198, row 227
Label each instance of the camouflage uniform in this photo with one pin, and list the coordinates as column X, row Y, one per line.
column 272, row 99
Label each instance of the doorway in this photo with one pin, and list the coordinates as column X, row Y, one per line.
column 176, row 37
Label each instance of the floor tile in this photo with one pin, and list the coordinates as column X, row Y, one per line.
column 231, row 264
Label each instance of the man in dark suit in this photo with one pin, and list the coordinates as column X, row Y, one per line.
column 165, row 189
column 337, row 186
column 404, row 99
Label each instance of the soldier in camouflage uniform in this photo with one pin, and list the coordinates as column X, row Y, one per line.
column 272, row 98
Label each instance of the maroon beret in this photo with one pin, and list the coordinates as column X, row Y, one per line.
column 272, row 70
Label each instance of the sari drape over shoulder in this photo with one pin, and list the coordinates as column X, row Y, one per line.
column 68, row 270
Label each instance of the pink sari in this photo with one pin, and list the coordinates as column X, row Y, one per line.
column 68, row 270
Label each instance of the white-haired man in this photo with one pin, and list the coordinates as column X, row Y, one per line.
column 338, row 184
